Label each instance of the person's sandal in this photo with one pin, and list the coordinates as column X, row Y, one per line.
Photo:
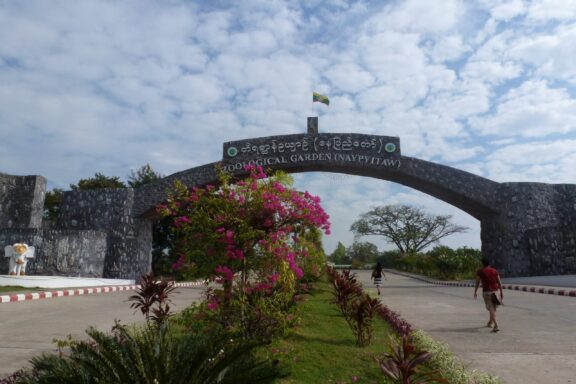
column 496, row 329
column 489, row 325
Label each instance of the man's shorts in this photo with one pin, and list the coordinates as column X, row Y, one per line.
column 488, row 300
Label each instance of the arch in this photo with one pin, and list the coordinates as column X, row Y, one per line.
column 471, row 193
column 526, row 228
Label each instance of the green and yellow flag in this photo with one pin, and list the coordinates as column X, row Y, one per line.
column 316, row 97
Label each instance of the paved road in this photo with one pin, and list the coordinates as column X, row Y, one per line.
column 536, row 344
column 27, row 328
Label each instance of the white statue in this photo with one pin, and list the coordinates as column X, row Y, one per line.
column 19, row 254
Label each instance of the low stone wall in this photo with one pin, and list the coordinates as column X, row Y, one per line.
column 59, row 252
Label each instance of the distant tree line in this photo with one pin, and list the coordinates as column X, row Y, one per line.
column 411, row 230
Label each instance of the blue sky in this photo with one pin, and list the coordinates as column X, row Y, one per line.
column 108, row 86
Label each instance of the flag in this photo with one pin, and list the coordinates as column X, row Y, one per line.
column 320, row 98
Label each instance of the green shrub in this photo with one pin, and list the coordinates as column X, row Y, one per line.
column 152, row 356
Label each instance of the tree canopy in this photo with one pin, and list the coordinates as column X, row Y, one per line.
column 143, row 175
column 98, row 181
column 409, row 228
column 362, row 252
column 339, row 255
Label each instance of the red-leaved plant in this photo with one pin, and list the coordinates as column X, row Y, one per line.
column 346, row 289
column 360, row 315
column 152, row 298
column 404, row 363
column 401, row 326
column 357, row 307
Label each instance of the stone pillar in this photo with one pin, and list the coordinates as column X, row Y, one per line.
column 312, row 126
column 535, row 231
column 21, row 201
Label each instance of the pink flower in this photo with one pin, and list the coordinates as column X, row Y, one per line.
column 178, row 263
column 225, row 272
column 181, row 220
column 274, row 278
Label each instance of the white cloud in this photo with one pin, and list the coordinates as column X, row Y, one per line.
column 418, row 16
column 492, row 72
column 547, row 162
column 96, row 86
column 550, row 54
column 531, row 110
column 448, row 48
column 504, row 11
column 545, row 10
column 349, row 77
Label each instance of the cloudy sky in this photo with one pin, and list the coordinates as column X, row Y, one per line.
column 107, row 86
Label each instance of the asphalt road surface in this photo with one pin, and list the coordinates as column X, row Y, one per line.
column 27, row 328
column 537, row 339
column 536, row 344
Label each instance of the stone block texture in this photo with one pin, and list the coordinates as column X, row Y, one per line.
column 95, row 234
column 129, row 238
column 21, row 201
column 59, row 252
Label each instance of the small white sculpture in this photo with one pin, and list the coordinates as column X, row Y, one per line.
column 19, row 254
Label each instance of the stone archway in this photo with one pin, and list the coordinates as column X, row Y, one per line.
column 526, row 228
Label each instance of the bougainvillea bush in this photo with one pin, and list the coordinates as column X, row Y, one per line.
column 256, row 238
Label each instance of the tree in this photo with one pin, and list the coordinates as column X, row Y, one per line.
column 362, row 252
column 339, row 255
column 143, row 175
column 98, row 181
column 52, row 202
column 248, row 236
column 409, row 228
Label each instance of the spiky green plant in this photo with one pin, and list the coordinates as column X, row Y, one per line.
column 153, row 356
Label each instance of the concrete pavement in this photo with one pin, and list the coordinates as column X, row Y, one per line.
column 536, row 344
column 563, row 285
column 28, row 327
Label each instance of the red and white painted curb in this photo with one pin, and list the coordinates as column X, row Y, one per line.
column 522, row 288
column 81, row 291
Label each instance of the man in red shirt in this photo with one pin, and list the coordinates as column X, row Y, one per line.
column 490, row 285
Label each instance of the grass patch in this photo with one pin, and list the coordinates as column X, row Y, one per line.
column 15, row 288
column 322, row 349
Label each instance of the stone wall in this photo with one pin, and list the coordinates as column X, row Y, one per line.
column 534, row 232
column 95, row 234
column 58, row 252
column 129, row 239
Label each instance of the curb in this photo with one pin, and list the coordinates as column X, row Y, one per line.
column 81, row 291
column 521, row 288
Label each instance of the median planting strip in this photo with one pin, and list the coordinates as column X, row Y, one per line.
column 522, row 288
column 81, row 291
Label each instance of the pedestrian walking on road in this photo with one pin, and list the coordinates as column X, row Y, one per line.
column 491, row 286
column 377, row 275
